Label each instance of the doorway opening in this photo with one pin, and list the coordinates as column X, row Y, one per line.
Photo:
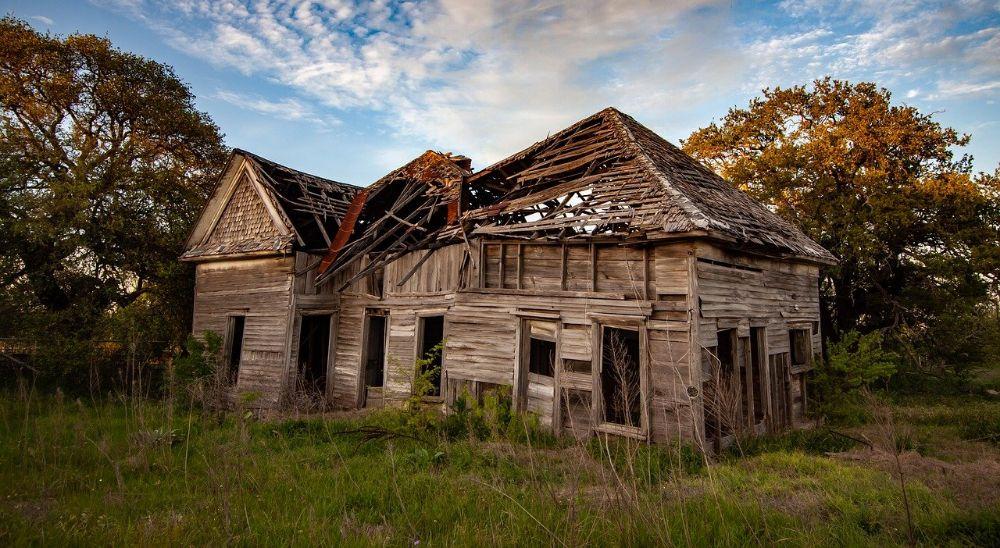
column 758, row 363
column 234, row 347
column 722, row 396
column 620, row 381
column 431, row 331
column 373, row 360
column 314, row 352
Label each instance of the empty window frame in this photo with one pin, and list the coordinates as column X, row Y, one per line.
column 314, row 351
column 235, row 328
column 430, row 347
column 576, row 366
column 621, row 383
column 801, row 347
column 542, row 357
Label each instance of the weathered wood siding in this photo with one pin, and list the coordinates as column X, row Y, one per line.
column 737, row 291
column 261, row 290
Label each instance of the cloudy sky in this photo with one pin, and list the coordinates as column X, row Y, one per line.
column 349, row 90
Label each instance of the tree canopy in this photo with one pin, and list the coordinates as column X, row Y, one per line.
column 104, row 163
column 879, row 185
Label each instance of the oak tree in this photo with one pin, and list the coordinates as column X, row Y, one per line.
column 104, row 163
column 879, row 184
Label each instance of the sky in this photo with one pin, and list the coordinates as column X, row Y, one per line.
column 350, row 90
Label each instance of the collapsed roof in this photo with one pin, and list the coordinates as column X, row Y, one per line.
column 608, row 175
column 399, row 213
column 304, row 210
column 604, row 177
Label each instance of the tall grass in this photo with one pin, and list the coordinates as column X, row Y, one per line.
column 128, row 471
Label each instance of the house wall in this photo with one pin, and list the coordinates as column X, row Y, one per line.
column 738, row 291
column 645, row 287
column 261, row 290
column 678, row 294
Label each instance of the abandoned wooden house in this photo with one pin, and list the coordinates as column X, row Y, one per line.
column 604, row 278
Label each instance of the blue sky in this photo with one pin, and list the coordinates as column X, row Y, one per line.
column 349, row 90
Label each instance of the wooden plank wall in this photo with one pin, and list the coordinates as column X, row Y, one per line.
column 260, row 289
column 543, row 279
column 556, row 267
column 735, row 290
column 429, row 289
column 660, row 286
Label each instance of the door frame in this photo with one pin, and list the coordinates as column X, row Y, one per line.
column 522, row 354
column 368, row 313
column 418, row 336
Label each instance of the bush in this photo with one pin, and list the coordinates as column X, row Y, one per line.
column 982, row 428
column 199, row 360
column 493, row 418
column 856, row 361
column 85, row 367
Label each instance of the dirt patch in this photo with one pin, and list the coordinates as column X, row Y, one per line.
column 971, row 485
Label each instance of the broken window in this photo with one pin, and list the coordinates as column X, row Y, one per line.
column 543, row 357
column 620, row 380
column 234, row 346
column 375, row 282
column 431, row 331
column 314, row 350
column 576, row 366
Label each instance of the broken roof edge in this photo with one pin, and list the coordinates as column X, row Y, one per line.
column 266, row 161
column 426, row 168
column 773, row 230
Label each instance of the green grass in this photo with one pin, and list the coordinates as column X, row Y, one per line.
column 114, row 473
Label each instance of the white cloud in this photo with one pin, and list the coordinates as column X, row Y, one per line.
column 894, row 42
column 47, row 21
column 285, row 109
column 487, row 77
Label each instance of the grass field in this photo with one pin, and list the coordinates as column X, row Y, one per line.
column 127, row 472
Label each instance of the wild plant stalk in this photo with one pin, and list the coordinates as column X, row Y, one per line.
column 890, row 438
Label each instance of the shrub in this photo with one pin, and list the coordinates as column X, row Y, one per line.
column 856, row 361
column 199, row 360
column 982, row 428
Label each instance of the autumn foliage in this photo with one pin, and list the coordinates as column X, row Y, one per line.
column 880, row 185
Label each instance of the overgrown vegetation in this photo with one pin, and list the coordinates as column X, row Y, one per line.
column 125, row 471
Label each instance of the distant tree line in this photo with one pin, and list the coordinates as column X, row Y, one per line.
column 105, row 163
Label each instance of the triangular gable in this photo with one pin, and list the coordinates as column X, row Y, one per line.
column 241, row 216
